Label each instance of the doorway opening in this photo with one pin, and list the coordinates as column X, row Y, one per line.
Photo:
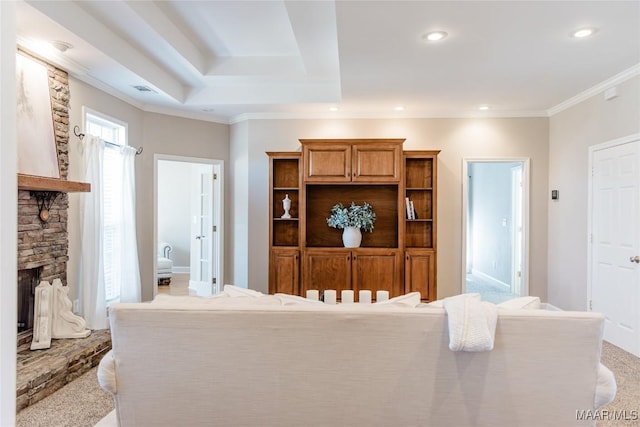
column 495, row 228
column 188, row 221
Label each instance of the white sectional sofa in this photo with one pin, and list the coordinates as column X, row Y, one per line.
column 279, row 361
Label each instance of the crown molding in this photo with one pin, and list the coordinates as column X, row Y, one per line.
column 595, row 90
column 387, row 116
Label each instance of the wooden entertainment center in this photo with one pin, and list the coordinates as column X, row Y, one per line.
column 399, row 255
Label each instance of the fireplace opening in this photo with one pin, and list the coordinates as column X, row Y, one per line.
column 28, row 279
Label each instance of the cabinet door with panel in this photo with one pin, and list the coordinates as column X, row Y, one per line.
column 340, row 161
column 375, row 270
column 326, row 269
column 325, row 162
column 376, row 163
column 284, row 271
column 420, row 273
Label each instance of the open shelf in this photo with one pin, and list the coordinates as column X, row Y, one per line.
column 285, row 233
column 278, row 208
column 286, row 173
column 422, row 203
column 419, row 173
column 382, row 198
column 419, row 234
column 285, row 181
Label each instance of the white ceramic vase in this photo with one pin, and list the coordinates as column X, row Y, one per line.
column 351, row 237
column 286, row 205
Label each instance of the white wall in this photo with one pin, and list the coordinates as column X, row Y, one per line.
column 158, row 134
column 241, row 219
column 457, row 138
column 174, row 209
column 571, row 133
column 8, row 215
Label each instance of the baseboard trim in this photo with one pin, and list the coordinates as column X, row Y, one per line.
column 181, row 270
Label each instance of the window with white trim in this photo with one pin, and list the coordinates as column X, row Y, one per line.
column 115, row 135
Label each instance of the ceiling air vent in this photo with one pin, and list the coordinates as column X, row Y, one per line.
column 144, row 89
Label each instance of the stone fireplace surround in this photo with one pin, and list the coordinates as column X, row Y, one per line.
column 43, row 252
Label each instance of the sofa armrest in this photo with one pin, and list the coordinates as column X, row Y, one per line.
column 606, row 387
column 164, row 250
column 107, row 373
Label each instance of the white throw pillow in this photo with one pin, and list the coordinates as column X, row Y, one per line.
column 412, row 299
column 247, row 301
column 526, row 303
column 236, row 291
column 606, row 387
column 440, row 302
column 185, row 299
column 107, row 373
column 433, row 304
column 295, row 300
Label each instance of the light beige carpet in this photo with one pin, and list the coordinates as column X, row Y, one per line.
column 83, row 403
column 626, row 405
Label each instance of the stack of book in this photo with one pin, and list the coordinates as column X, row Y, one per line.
column 411, row 212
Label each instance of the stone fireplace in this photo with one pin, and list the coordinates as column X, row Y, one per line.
column 43, row 246
column 42, row 255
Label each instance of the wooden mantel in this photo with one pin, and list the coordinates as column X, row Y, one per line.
column 40, row 183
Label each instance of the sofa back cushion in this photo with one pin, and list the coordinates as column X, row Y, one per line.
column 301, row 365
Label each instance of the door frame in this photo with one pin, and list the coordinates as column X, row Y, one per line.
column 516, row 261
column 592, row 149
column 525, row 213
column 217, row 215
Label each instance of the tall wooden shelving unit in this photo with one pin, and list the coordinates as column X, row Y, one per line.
column 420, row 233
column 398, row 256
column 284, row 257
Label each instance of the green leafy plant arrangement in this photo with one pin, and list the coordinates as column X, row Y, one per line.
column 360, row 216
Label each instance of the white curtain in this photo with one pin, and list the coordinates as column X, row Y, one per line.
column 129, row 269
column 91, row 274
column 124, row 273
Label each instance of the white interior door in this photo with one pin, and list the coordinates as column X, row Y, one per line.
column 615, row 236
column 201, row 278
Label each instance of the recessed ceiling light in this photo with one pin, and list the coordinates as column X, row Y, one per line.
column 61, row 46
column 399, row 108
column 434, row 36
column 483, row 107
column 583, row 32
column 333, row 108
